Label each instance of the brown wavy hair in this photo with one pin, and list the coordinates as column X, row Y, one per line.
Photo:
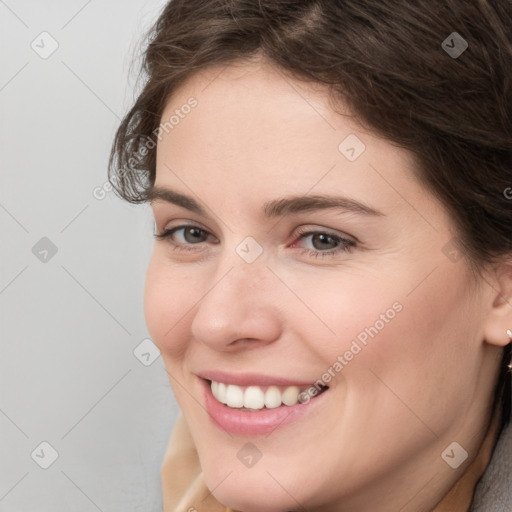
column 385, row 60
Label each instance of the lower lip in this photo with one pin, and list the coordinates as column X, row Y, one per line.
column 254, row 423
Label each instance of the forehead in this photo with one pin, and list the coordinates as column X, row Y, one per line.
column 255, row 103
column 255, row 128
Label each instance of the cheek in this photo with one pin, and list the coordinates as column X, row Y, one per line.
column 414, row 341
column 166, row 303
column 423, row 355
column 344, row 309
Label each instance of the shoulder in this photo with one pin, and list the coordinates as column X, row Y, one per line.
column 494, row 490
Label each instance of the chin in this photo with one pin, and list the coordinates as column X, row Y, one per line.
column 256, row 489
column 246, row 499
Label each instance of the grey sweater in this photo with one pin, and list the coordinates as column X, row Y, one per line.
column 494, row 491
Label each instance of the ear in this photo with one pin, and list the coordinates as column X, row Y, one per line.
column 499, row 318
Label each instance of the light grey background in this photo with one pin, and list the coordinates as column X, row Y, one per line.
column 70, row 322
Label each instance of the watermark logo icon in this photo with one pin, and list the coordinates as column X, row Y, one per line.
column 351, row 147
column 44, row 455
column 249, row 455
column 454, row 45
column 44, row 250
column 249, row 249
column 454, row 455
column 451, row 251
column 146, row 352
column 45, row 45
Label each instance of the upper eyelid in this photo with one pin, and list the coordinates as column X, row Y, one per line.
column 299, row 229
column 318, row 229
column 182, row 224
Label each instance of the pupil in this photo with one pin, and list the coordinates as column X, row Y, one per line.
column 323, row 241
column 194, row 235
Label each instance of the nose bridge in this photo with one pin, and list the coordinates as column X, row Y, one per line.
column 239, row 305
column 254, row 275
column 243, row 266
column 239, row 285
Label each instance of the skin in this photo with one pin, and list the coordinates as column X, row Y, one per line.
column 424, row 381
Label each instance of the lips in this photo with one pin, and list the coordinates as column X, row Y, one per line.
column 253, row 404
column 248, row 379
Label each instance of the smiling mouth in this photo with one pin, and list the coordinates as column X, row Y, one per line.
column 257, row 398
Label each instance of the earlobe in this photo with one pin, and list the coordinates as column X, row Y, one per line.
column 498, row 337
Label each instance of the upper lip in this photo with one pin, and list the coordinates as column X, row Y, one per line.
column 251, row 379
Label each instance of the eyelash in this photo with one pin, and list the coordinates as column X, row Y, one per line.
column 345, row 246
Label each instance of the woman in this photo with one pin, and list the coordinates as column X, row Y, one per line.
column 331, row 282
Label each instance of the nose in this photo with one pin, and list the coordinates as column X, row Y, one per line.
column 240, row 310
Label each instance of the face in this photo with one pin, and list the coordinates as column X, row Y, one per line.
column 300, row 248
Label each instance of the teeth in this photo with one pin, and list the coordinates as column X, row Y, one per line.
column 290, row 395
column 221, row 391
column 272, row 397
column 253, row 397
column 234, row 396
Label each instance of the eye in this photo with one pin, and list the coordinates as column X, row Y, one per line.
column 185, row 235
column 190, row 234
column 316, row 242
column 323, row 241
column 311, row 242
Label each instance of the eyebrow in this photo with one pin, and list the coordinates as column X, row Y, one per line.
column 275, row 208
